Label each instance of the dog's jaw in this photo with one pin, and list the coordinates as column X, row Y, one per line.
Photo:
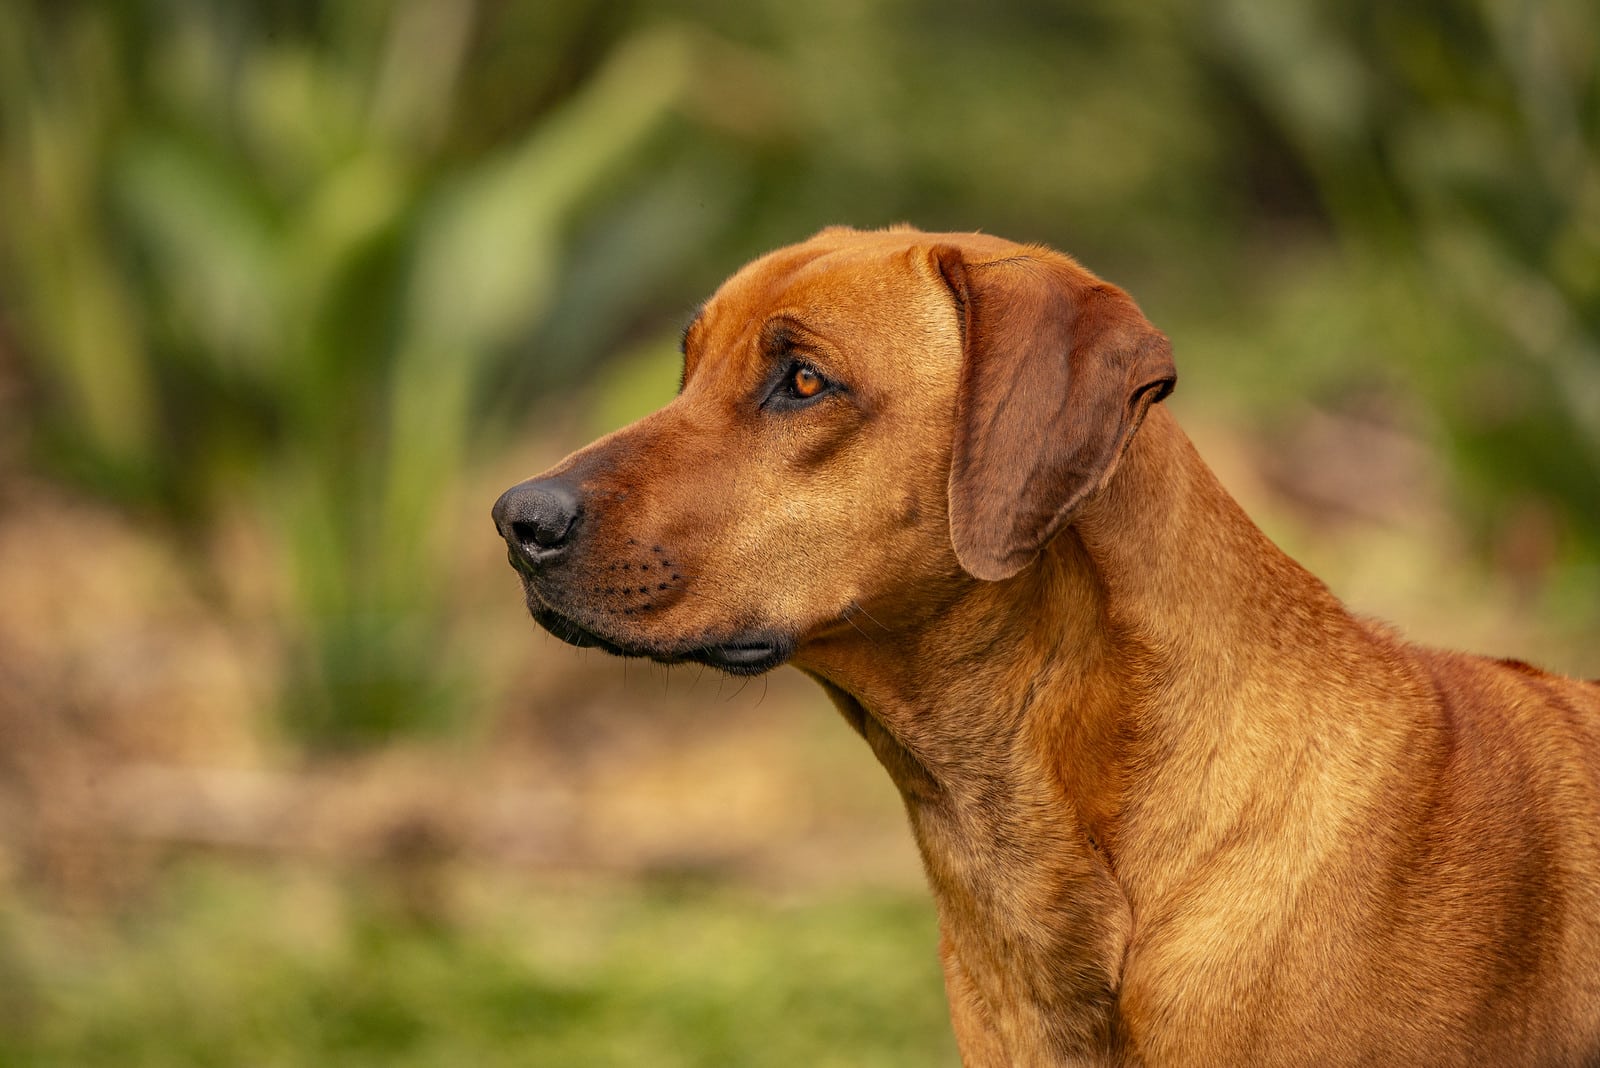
column 747, row 653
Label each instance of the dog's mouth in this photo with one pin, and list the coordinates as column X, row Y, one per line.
column 749, row 654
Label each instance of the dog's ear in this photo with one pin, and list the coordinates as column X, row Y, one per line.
column 1058, row 370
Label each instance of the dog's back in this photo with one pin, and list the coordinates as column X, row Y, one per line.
column 1503, row 888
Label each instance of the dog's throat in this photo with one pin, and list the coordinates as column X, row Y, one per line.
column 917, row 784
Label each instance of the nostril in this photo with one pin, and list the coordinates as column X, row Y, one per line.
column 542, row 535
column 537, row 518
column 525, row 534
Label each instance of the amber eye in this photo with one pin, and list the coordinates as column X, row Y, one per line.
column 800, row 387
column 806, row 383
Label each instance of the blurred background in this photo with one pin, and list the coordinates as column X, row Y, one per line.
column 290, row 291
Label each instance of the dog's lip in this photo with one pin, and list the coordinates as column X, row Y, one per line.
column 745, row 657
column 750, row 654
column 574, row 633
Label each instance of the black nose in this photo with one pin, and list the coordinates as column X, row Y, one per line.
column 537, row 519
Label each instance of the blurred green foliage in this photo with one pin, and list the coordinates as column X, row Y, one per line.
column 303, row 263
column 654, row 978
column 258, row 270
column 1456, row 151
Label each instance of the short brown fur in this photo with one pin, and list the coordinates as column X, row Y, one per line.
column 1176, row 804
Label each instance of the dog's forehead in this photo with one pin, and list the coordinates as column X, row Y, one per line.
column 857, row 263
column 836, row 279
column 825, row 268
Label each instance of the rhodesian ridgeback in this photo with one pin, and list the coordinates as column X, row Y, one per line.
column 1177, row 805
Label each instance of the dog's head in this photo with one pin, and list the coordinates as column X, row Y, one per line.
column 867, row 421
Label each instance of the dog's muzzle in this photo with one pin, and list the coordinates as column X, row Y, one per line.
column 541, row 520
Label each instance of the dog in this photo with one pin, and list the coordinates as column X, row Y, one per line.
column 1176, row 804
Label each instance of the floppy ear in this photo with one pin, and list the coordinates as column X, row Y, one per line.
column 1058, row 370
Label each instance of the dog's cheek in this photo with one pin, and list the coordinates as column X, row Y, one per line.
column 818, row 445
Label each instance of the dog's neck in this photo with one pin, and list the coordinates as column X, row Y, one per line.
column 1166, row 608
column 1161, row 599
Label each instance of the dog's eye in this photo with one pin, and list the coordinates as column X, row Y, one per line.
column 800, row 385
column 805, row 383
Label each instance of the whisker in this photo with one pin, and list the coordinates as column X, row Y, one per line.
column 855, row 625
column 853, row 606
column 860, row 608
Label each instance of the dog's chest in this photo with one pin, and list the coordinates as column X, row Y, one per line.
column 1031, row 913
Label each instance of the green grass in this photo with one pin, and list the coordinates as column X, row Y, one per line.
column 270, row 968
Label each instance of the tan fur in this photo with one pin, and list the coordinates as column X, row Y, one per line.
column 1176, row 805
